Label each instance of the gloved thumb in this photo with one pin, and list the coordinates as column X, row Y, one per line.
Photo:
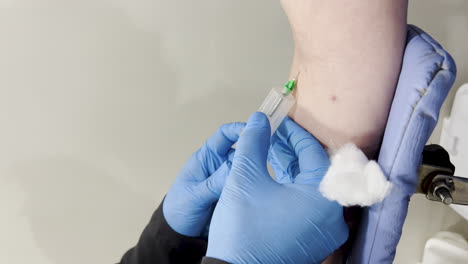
column 252, row 147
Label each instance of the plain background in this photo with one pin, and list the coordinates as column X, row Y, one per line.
column 102, row 102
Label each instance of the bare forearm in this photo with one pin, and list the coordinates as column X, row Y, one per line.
column 348, row 54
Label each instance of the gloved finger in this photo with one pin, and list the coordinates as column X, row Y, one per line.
column 313, row 159
column 283, row 161
column 223, row 139
column 279, row 158
column 217, row 147
column 210, row 189
column 230, row 156
column 252, row 147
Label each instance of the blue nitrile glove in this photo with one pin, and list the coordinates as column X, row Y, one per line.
column 188, row 205
column 282, row 156
column 258, row 220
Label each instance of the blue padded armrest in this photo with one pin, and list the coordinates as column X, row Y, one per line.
column 427, row 74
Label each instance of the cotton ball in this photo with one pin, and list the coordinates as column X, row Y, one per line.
column 354, row 180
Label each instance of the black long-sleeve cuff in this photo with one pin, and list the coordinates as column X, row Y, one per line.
column 159, row 243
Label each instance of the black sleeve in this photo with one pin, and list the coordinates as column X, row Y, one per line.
column 207, row 260
column 160, row 244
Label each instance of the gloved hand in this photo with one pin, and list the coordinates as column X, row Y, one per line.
column 258, row 220
column 188, row 205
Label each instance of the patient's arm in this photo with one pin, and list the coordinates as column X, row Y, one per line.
column 348, row 54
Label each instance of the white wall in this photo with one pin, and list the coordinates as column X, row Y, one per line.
column 102, row 101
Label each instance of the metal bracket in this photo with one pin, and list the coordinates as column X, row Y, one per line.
column 449, row 190
column 438, row 182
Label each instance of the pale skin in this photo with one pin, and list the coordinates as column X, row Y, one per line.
column 348, row 55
